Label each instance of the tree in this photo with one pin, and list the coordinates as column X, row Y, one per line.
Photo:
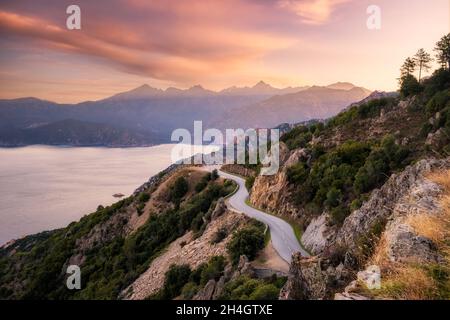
column 214, row 175
column 443, row 51
column 422, row 59
column 247, row 242
column 175, row 279
column 179, row 189
column 408, row 67
column 409, row 85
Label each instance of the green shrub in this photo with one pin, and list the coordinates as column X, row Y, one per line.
column 175, row 279
column 199, row 187
column 249, row 182
column 247, row 241
column 245, row 288
column 144, row 197
column 213, row 270
column 179, row 189
column 409, row 86
column 214, row 175
column 189, row 290
column 140, row 208
column 439, row 101
column 265, row 292
column 219, row 236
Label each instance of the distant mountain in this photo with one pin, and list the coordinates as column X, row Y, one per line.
column 261, row 89
column 75, row 133
column 156, row 113
column 312, row 103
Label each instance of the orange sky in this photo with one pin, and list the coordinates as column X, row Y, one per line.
column 216, row 43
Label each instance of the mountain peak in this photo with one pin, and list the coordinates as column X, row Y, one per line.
column 197, row 87
column 262, row 84
column 341, row 86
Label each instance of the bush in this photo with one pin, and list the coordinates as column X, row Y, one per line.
column 140, row 208
column 339, row 214
column 213, row 270
column 179, row 189
column 300, row 136
column 175, row 279
column 245, row 288
column 219, row 236
column 249, row 182
column 144, row 197
column 199, row 187
column 439, row 101
column 247, row 241
column 409, row 86
column 189, row 290
column 214, row 175
column 265, row 292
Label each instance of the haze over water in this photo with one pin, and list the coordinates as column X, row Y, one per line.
column 43, row 188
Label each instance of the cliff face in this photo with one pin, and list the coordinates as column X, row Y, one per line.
column 273, row 193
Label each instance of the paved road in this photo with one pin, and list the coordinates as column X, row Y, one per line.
column 283, row 237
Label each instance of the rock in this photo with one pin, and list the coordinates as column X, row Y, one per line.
column 220, row 208
column 318, row 234
column 219, row 288
column 404, row 246
column 207, row 292
column 239, row 170
column 306, row 280
column 273, row 193
column 244, row 268
column 435, row 138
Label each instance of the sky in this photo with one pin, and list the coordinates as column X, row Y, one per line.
column 123, row 44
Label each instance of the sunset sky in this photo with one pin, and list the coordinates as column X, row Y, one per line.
column 216, row 43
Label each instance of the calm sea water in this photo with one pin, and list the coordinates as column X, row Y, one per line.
column 43, row 188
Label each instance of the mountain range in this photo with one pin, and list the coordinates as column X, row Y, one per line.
column 147, row 115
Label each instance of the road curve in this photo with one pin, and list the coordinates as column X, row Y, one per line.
column 283, row 237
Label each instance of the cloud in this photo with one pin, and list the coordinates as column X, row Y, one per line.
column 314, row 12
column 164, row 40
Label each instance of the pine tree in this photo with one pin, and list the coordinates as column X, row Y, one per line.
column 408, row 67
column 422, row 60
column 443, row 51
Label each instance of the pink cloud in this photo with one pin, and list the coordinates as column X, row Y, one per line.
column 180, row 48
column 314, row 12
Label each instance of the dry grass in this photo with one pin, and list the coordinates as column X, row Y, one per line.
column 442, row 178
column 380, row 256
column 429, row 226
column 409, row 283
column 427, row 281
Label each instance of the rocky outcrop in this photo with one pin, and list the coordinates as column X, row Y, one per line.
column 273, row 193
column 220, row 209
column 403, row 193
column 318, row 234
column 313, row 278
column 238, row 170
column 405, row 246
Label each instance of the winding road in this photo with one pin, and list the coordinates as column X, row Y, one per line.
column 283, row 237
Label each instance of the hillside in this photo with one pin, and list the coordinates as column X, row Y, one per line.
column 76, row 133
column 368, row 187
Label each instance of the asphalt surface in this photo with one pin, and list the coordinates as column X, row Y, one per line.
column 283, row 237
